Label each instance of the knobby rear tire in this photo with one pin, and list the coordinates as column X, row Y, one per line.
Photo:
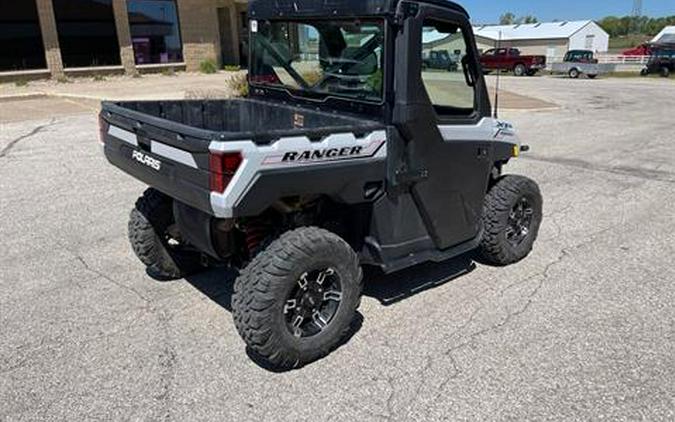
column 262, row 289
column 148, row 223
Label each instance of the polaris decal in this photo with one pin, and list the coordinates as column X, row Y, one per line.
column 325, row 154
column 147, row 160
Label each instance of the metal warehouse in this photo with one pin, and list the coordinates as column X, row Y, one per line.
column 57, row 37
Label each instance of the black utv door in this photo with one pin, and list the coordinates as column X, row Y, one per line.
column 444, row 120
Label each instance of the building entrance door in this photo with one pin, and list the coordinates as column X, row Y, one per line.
column 243, row 39
column 233, row 28
column 229, row 52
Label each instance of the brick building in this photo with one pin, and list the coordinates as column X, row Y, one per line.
column 57, row 37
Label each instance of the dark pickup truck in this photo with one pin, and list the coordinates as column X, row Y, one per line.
column 662, row 61
column 442, row 60
column 510, row 60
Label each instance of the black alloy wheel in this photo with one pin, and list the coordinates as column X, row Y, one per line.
column 520, row 222
column 313, row 302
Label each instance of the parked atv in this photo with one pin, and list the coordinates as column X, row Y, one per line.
column 346, row 154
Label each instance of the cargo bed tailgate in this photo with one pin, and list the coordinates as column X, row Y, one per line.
column 174, row 161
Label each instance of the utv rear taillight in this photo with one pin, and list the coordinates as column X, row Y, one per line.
column 223, row 167
column 103, row 127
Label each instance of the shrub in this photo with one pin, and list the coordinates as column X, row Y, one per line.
column 208, row 66
column 231, row 68
column 238, row 84
column 21, row 83
column 312, row 77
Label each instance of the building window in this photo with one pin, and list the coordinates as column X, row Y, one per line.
column 155, row 32
column 87, row 33
column 590, row 42
column 21, row 45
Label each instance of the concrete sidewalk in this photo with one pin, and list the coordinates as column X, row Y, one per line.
column 50, row 99
column 148, row 87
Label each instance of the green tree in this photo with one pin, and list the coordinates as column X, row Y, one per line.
column 528, row 19
column 507, row 18
column 626, row 25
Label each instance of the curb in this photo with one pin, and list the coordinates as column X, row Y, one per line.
column 23, row 97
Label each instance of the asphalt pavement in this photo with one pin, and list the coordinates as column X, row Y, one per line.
column 582, row 330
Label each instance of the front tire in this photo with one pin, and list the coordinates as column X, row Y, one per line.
column 511, row 219
column 152, row 235
column 295, row 302
column 665, row 72
column 574, row 73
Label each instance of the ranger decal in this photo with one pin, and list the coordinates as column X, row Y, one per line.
column 336, row 153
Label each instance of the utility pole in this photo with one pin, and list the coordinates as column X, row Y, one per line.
column 637, row 16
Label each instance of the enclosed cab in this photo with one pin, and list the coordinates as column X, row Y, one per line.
column 580, row 56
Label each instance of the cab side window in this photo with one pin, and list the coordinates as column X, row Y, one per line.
column 447, row 72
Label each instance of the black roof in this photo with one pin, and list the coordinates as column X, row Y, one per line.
column 267, row 9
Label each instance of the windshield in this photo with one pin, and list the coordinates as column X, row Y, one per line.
column 320, row 58
column 664, row 53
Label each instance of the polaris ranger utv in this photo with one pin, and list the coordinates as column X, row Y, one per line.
column 345, row 153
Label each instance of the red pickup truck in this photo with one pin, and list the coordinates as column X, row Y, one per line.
column 510, row 59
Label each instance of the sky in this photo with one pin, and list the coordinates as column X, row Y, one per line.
column 488, row 11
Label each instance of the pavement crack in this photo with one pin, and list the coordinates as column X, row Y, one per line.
column 106, row 277
column 7, row 149
column 457, row 371
column 391, row 411
column 167, row 368
column 542, row 275
column 654, row 175
column 101, row 274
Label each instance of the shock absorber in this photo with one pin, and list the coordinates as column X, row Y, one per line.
column 255, row 232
